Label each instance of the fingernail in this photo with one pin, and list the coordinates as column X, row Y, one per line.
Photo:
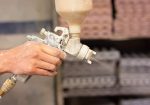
column 64, row 55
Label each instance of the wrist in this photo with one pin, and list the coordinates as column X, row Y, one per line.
column 4, row 62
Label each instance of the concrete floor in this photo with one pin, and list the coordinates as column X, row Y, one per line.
column 37, row 91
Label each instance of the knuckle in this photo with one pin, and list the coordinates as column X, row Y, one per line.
column 44, row 73
column 31, row 44
column 58, row 61
column 57, row 52
column 33, row 63
column 28, row 43
column 48, row 74
column 53, row 67
column 35, row 53
column 31, row 69
column 52, row 74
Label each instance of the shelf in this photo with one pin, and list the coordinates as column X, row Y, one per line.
column 115, row 91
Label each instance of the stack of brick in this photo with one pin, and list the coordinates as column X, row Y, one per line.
column 80, row 75
column 134, row 71
column 95, row 101
column 144, row 101
column 132, row 18
column 98, row 24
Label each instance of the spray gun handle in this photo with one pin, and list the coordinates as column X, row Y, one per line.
column 51, row 40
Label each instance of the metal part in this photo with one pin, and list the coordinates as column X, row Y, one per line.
column 8, row 85
column 55, row 40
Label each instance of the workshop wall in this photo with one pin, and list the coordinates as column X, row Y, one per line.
column 24, row 16
column 19, row 18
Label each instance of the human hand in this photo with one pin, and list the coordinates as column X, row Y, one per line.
column 32, row 58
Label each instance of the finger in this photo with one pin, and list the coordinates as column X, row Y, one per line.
column 63, row 55
column 53, row 51
column 44, row 72
column 45, row 66
column 50, row 59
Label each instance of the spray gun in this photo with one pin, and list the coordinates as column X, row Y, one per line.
column 51, row 39
column 68, row 41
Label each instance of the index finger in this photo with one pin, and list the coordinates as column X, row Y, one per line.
column 53, row 51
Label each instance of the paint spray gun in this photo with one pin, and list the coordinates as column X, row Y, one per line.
column 69, row 41
column 51, row 39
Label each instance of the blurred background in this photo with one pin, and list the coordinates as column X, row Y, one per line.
column 118, row 30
